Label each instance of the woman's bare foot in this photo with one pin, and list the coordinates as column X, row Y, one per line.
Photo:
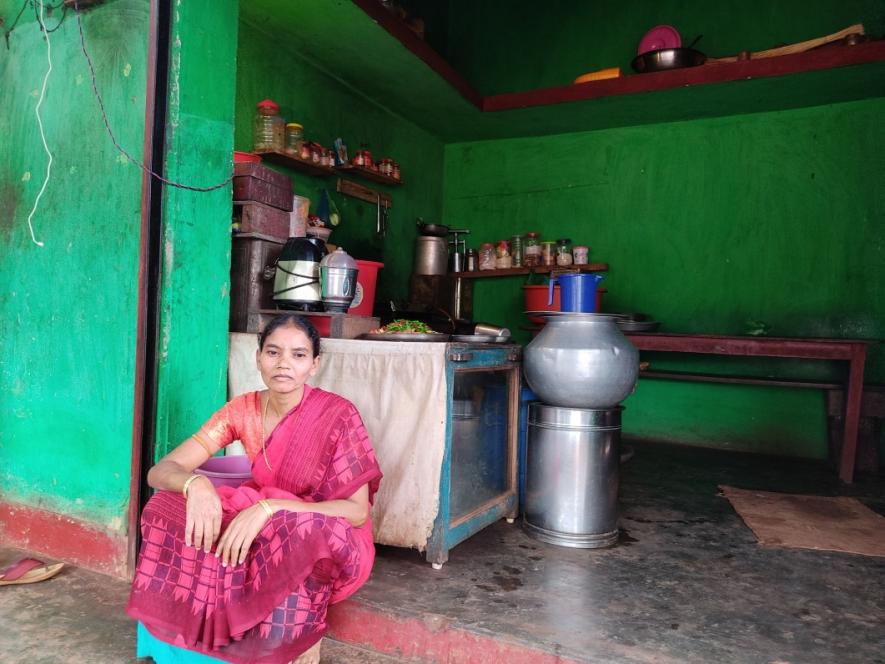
column 311, row 655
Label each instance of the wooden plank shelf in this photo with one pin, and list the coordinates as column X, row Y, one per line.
column 368, row 174
column 713, row 72
column 740, row 380
column 297, row 164
column 538, row 269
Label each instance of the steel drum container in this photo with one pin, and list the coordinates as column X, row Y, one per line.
column 572, row 475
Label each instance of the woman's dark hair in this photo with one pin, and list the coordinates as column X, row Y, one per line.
column 294, row 320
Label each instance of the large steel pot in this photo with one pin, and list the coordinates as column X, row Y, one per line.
column 581, row 361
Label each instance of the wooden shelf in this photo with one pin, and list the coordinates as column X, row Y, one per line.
column 297, row 164
column 826, row 57
column 539, row 269
column 368, row 174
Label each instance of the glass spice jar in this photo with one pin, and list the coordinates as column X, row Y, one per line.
column 316, row 152
column 503, row 259
column 363, row 158
column 395, row 173
column 305, row 151
column 385, row 167
column 486, row 256
column 548, row 252
column 294, row 138
column 531, row 251
column 516, row 250
column 563, row 251
column 470, row 260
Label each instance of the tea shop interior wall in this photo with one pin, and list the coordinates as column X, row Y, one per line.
column 268, row 68
column 708, row 226
column 68, row 308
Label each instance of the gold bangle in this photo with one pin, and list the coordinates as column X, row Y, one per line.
column 187, row 484
column 267, row 508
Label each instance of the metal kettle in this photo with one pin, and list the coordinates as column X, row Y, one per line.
column 338, row 273
column 297, row 283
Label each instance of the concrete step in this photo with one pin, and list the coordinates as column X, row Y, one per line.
column 428, row 638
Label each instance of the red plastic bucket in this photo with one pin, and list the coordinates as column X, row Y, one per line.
column 536, row 300
column 366, row 279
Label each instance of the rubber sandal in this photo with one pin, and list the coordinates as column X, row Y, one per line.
column 28, row 570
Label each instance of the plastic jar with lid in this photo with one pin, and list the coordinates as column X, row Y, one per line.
column 503, row 258
column 581, row 254
column 268, row 128
column 294, row 138
column 548, row 252
column 531, row 251
column 516, row 250
column 486, row 256
column 564, row 251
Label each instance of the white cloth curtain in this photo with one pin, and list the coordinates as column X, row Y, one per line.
column 401, row 393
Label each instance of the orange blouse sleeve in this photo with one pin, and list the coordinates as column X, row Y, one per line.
column 235, row 420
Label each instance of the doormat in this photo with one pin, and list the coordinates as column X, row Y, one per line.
column 810, row 522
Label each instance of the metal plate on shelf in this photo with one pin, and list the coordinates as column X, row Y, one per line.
column 405, row 336
column 480, row 339
column 574, row 314
column 638, row 325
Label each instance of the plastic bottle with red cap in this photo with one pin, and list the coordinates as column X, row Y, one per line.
column 268, row 128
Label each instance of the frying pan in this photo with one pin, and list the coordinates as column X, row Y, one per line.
column 433, row 230
column 667, row 58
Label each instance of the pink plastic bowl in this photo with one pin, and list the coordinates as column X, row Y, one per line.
column 227, row 470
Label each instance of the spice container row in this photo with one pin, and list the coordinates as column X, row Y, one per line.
column 285, row 143
column 537, row 269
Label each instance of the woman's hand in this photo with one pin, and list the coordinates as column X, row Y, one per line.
column 241, row 532
column 203, row 520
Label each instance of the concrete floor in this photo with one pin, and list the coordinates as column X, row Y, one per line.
column 688, row 583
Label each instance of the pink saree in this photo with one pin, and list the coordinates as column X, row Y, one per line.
column 272, row 607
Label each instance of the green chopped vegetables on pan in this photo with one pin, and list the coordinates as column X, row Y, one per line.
column 403, row 325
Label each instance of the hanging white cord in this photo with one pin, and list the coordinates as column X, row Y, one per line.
column 40, row 125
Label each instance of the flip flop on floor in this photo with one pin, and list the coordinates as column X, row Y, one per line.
column 28, row 570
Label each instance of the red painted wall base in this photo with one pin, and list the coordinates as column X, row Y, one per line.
column 63, row 538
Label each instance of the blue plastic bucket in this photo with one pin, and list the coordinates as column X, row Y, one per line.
column 578, row 291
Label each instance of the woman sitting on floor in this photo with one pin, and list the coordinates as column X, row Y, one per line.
column 287, row 543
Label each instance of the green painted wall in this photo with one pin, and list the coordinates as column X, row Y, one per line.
column 775, row 217
column 67, row 310
column 514, row 45
column 195, row 282
column 268, row 68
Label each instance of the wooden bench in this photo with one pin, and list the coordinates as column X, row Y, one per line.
column 852, row 351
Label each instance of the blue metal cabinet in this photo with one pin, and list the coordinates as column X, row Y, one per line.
column 478, row 482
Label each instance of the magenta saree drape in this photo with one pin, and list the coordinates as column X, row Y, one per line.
column 272, row 607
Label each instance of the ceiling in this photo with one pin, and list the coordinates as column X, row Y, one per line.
column 342, row 39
